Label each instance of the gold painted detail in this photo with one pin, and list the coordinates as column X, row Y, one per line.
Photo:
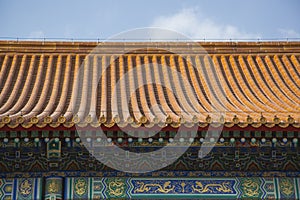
column 116, row 188
column 80, row 186
column 62, row 121
column 183, row 185
column 250, row 188
column 25, row 187
column 8, row 188
column 162, row 188
column 208, row 188
column 53, row 186
column 286, row 186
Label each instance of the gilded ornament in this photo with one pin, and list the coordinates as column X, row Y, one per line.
column 209, row 188
column 175, row 124
column 168, row 120
column 256, row 124
column 130, row 119
column 61, row 119
column 8, row 188
column 116, row 119
column 202, row 125
column 208, row 119
column 6, row 120
column 290, row 119
column 109, row 124
column 149, row 125
column 283, row 124
column 19, row 119
column 286, row 186
column 53, row 186
column 156, row 187
column 15, row 125
column 102, row 119
column 250, row 188
column 88, row 119
column 269, row 125
column 263, row 120
column 181, row 120
column 229, row 124
column 68, row 124
column 76, row 119
column 25, row 187
column 116, row 188
column 249, row 119
column 48, row 120
column 54, row 124
column 182, row 184
column 135, row 124
column 276, row 120
column 143, row 120
column 34, row 120
column 242, row 124
column 235, row 119
column 95, row 124
column 80, row 186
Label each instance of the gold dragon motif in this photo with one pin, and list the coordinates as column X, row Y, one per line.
column 208, row 188
column 162, row 188
column 25, row 188
column 53, row 186
column 250, row 188
column 116, row 188
column 80, row 187
column 286, row 187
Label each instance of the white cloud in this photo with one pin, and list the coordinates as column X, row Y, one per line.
column 289, row 33
column 193, row 24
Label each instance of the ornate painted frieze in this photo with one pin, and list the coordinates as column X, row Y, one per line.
column 21, row 189
column 181, row 187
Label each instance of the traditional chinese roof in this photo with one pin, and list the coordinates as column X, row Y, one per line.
column 68, row 83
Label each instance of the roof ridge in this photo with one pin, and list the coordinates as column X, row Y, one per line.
column 149, row 47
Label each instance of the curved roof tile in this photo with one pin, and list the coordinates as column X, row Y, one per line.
column 233, row 83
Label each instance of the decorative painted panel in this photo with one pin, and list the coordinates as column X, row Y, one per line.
column 287, row 188
column 116, row 188
column 229, row 188
column 6, row 188
column 149, row 187
column 65, row 156
column 21, row 189
column 84, row 188
column 54, row 188
column 185, row 188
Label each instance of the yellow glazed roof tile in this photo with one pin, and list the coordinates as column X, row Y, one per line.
column 233, row 83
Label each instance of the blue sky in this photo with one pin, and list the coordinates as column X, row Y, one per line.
column 219, row 19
